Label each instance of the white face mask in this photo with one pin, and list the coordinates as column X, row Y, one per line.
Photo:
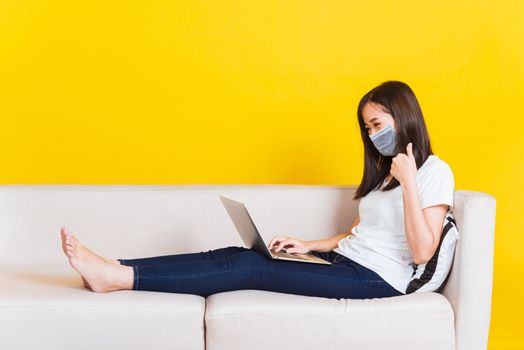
column 385, row 140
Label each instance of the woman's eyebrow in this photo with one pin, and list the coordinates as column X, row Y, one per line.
column 371, row 121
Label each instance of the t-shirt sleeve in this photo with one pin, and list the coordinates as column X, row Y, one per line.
column 437, row 186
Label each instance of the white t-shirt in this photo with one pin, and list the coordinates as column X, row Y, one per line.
column 379, row 241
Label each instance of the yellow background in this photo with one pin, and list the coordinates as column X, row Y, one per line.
column 265, row 92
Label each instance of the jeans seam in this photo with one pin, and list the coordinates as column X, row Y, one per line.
column 374, row 281
column 312, row 275
column 240, row 268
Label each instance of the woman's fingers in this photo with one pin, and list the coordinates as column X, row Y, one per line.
column 298, row 247
column 288, row 242
column 274, row 241
column 279, row 244
column 284, row 243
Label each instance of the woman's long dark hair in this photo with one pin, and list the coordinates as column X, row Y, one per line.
column 397, row 99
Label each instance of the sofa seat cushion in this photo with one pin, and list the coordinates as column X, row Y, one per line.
column 254, row 319
column 52, row 307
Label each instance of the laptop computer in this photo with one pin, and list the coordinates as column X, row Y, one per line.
column 249, row 233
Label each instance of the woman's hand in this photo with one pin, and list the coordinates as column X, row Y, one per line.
column 404, row 166
column 296, row 245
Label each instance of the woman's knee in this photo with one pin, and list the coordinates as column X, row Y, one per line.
column 250, row 258
column 236, row 249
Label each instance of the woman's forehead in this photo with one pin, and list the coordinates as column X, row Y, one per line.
column 372, row 111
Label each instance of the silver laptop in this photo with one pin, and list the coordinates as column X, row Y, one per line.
column 248, row 232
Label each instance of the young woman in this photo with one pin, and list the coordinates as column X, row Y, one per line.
column 404, row 195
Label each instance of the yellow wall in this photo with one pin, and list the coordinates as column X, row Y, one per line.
column 264, row 92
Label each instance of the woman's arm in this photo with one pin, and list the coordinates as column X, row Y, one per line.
column 328, row 244
column 423, row 226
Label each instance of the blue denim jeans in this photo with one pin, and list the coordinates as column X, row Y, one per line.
column 234, row 268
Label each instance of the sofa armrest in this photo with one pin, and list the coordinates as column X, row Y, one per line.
column 469, row 286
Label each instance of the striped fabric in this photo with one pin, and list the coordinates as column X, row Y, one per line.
column 432, row 275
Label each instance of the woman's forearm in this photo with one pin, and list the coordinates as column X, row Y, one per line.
column 327, row 244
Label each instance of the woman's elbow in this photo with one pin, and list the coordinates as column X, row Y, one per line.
column 420, row 260
column 423, row 254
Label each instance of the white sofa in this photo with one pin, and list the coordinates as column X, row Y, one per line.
column 43, row 304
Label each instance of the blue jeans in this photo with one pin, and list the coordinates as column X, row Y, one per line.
column 234, row 268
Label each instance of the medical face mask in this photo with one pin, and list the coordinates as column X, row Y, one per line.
column 385, row 140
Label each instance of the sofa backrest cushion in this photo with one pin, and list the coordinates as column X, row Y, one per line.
column 134, row 221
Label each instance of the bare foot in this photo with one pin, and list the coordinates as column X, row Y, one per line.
column 64, row 233
column 98, row 275
column 85, row 283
